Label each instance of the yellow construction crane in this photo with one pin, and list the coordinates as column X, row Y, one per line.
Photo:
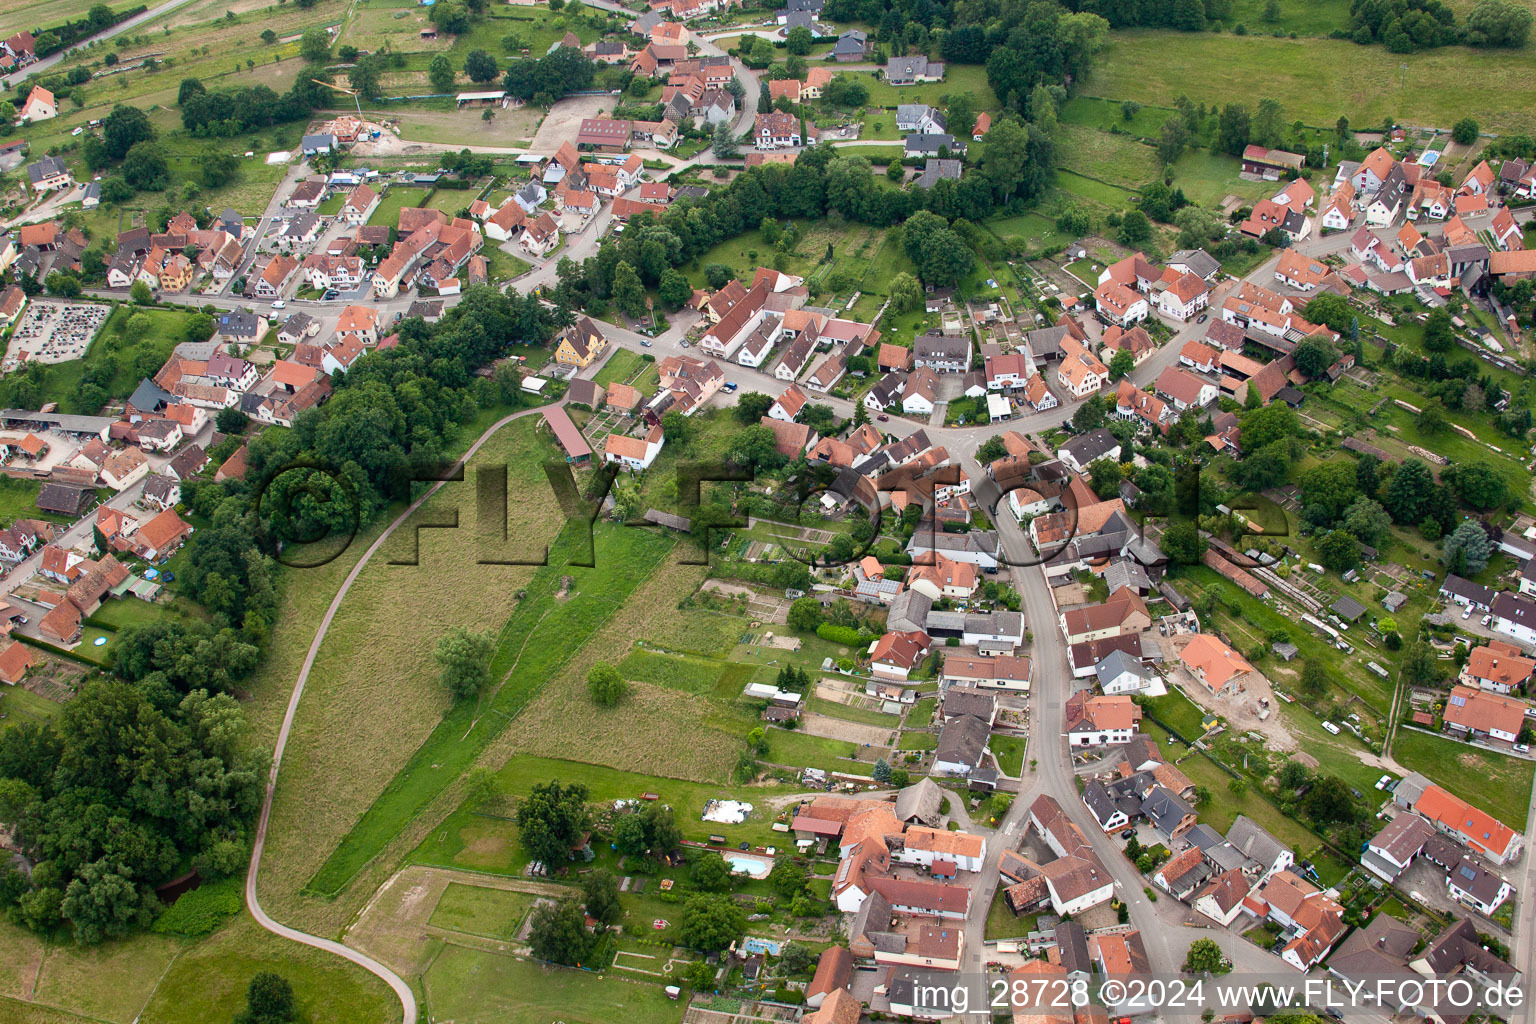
column 341, row 88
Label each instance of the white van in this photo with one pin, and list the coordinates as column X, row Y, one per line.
column 1331, row 728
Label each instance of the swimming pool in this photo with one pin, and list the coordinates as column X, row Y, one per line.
column 748, row 866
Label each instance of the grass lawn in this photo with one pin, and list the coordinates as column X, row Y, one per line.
column 968, row 79
column 921, row 714
column 479, row 910
column 1225, row 805
column 1316, row 80
column 18, row 499
column 1003, row 923
column 467, row 985
column 1496, row 783
column 799, row 749
column 484, row 843
column 395, row 200
column 18, row 705
column 1081, row 186
column 837, row 709
column 917, row 741
column 1310, row 19
column 541, row 636
column 1179, row 713
column 621, row 365
column 208, row 980
column 1009, row 751
column 1104, row 114
column 1038, row 231
column 502, row 266
column 1207, row 178
column 130, row 611
column 1118, row 159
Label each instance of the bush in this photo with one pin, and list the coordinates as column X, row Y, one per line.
column 838, row 634
column 203, row 909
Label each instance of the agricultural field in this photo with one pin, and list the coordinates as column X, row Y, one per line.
column 1317, row 80
column 1099, row 155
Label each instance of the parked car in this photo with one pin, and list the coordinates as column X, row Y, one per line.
column 279, row 304
column 1487, row 619
column 1202, row 318
column 1467, row 612
column 1128, row 833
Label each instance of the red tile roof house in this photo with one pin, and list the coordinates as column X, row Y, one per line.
column 161, row 537
column 1477, row 715
column 895, row 655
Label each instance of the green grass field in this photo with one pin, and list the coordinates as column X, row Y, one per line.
column 1105, row 114
column 479, row 910
column 1118, row 159
column 798, row 749
column 474, row 987
column 1081, row 186
column 395, row 200
column 1496, row 783
column 18, row 705
column 1316, row 80
column 502, row 266
column 1003, row 923
column 970, row 79
column 696, row 675
column 1009, row 751
column 482, row 842
column 1038, row 231
column 1311, row 18
column 541, row 635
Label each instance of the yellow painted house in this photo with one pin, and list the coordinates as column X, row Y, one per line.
column 581, row 343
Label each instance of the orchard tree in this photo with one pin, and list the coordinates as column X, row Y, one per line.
column 605, row 685
column 465, row 660
column 480, row 67
column 558, row 932
column 441, row 74
column 711, row 873
column 551, row 819
column 711, row 923
column 315, row 44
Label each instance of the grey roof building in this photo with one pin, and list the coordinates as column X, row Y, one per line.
column 935, row 171
column 45, row 168
column 962, row 743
